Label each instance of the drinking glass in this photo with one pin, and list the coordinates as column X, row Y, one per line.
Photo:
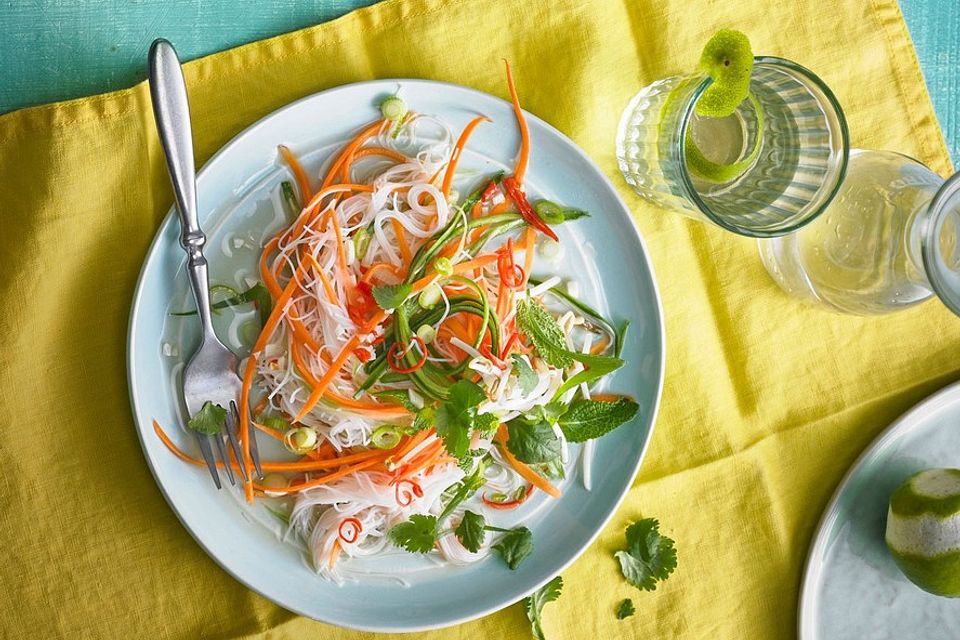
column 888, row 241
column 790, row 135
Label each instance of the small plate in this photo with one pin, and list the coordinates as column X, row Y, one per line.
column 852, row 589
column 604, row 253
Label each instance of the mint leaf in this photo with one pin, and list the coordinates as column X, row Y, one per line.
column 649, row 557
column 532, row 443
column 526, row 376
column 535, row 322
column 534, row 604
column 457, row 416
column 596, row 367
column 626, row 609
column 470, row 531
column 515, row 546
column 390, row 296
column 416, row 535
column 589, row 419
column 486, row 423
column 209, row 420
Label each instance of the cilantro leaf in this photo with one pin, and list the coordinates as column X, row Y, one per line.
column 535, row 322
column 209, row 420
column 589, row 419
column 515, row 546
column 534, row 604
column 525, row 375
column 416, row 535
column 456, row 417
column 424, row 419
column 532, row 442
column 390, row 296
column 626, row 609
column 470, row 531
column 649, row 557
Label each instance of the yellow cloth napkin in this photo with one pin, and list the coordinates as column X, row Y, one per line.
column 766, row 402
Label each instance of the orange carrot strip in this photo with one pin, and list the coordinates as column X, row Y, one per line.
column 525, row 472
column 289, row 467
column 380, row 151
column 327, row 287
column 524, row 155
column 381, row 266
column 298, row 172
column 401, row 240
column 348, row 150
column 275, row 315
column 529, row 237
column 457, row 150
column 294, row 488
column 384, row 412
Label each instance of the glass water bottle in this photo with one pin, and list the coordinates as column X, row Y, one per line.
column 887, row 241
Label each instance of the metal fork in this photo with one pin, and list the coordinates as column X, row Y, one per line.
column 211, row 374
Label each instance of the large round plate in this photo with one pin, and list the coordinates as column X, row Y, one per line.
column 604, row 253
column 852, row 589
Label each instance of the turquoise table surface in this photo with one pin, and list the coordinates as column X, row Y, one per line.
column 58, row 49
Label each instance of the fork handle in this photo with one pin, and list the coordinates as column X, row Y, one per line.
column 168, row 93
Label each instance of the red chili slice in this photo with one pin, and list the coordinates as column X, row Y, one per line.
column 526, row 211
column 355, row 528
column 405, row 498
column 398, row 350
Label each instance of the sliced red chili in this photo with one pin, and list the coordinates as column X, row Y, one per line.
column 356, row 528
column 488, row 192
column 488, row 354
column 526, row 211
column 363, row 354
column 404, row 496
column 511, row 274
column 397, row 352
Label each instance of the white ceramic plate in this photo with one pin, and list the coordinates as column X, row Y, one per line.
column 604, row 253
column 852, row 589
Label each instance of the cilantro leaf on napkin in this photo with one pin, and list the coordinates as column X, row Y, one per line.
column 649, row 556
column 626, row 609
column 534, row 604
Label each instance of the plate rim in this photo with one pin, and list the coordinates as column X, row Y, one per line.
column 660, row 324
column 902, row 425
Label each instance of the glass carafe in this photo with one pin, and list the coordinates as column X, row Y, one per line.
column 789, row 138
column 887, row 241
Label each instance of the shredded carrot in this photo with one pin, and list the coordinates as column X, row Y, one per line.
column 334, row 552
column 376, row 267
column 380, row 151
column 523, row 157
column 279, row 467
column 401, row 240
column 298, row 172
column 457, row 151
column 529, row 237
column 349, row 149
column 327, row 287
column 525, row 472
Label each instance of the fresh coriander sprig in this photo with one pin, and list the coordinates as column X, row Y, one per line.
column 514, row 546
column 649, row 557
column 626, row 609
column 534, row 604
